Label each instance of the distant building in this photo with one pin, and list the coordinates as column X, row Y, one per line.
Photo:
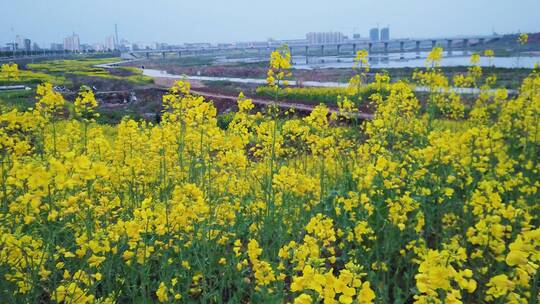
column 87, row 47
column 374, row 34
column 225, row 45
column 57, row 47
column 72, row 43
column 324, row 38
column 144, row 46
column 68, row 43
column 19, row 43
column 292, row 42
column 201, row 45
column 12, row 46
column 124, row 45
column 110, row 43
column 239, row 44
column 98, row 47
column 385, row 34
column 27, row 45
column 356, row 36
column 35, row 47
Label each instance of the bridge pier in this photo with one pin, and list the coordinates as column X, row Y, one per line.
column 291, row 53
column 370, row 47
column 418, row 42
column 179, row 54
column 322, row 50
column 465, row 47
column 338, row 48
column 402, row 49
column 163, row 55
column 147, row 55
column 433, row 43
column 354, row 48
column 386, row 47
column 307, row 54
column 449, row 44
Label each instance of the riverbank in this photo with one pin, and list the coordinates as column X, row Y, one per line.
column 507, row 78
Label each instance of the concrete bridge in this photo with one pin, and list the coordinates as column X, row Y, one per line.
column 344, row 48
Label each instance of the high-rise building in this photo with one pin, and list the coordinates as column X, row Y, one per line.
column 385, row 34
column 325, row 38
column 72, row 43
column 110, row 43
column 19, row 42
column 68, row 44
column 374, row 34
column 27, row 45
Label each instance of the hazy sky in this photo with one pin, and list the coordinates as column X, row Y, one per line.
column 175, row 21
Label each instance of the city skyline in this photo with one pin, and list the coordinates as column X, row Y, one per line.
column 111, row 42
column 169, row 20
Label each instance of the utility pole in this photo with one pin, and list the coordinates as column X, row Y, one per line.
column 117, row 43
column 13, row 46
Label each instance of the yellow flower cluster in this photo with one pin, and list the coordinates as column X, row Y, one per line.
column 280, row 64
column 9, row 71
column 361, row 60
column 412, row 206
column 85, row 104
column 523, row 38
column 263, row 272
column 49, row 102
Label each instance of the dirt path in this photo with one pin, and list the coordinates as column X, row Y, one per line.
column 284, row 105
column 197, row 87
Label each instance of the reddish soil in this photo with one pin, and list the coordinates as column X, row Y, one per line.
column 225, row 100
